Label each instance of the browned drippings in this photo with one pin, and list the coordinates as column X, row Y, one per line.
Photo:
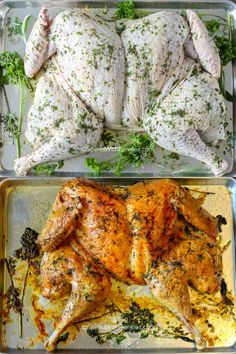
column 38, row 317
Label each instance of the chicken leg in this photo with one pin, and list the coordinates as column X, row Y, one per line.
column 196, row 261
column 64, row 271
column 177, row 124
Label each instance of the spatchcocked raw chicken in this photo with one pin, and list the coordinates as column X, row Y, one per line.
column 139, row 234
column 160, row 73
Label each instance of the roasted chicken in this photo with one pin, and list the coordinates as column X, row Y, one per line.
column 147, row 76
column 140, row 234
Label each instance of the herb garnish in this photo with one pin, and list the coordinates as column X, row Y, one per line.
column 126, row 9
column 48, row 169
column 28, row 251
column 13, row 300
column 138, row 149
column 12, row 72
column 17, row 28
column 135, row 320
column 10, row 124
column 221, row 31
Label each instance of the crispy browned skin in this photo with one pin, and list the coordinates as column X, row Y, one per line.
column 125, row 231
column 63, row 271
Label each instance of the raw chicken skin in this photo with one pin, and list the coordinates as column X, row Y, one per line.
column 138, row 235
column 97, row 77
column 153, row 50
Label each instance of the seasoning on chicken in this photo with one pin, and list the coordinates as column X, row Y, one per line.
column 151, row 75
column 138, row 235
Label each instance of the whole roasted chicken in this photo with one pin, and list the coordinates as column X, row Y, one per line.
column 139, row 235
column 160, row 73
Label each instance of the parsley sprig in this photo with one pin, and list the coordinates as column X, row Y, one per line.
column 48, row 169
column 140, row 148
column 126, row 9
column 12, row 72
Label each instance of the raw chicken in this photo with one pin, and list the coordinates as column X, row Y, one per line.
column 138, row 235
column 96, row 76
column 83, row 85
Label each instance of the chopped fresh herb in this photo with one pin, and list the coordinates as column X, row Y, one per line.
column 173, row 155
column 126, row 9
column 48, row 169
column 107, row 138
column 17, row 28
column 12, row 72
column 138, row 149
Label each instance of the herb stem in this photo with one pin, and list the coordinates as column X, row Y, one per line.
column 21, row 106
column 23, row 296
column 8, row 270
column 221, row 18
column 6, row 99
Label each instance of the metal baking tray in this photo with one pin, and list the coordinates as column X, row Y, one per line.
column 164, row 165
column 27, row 202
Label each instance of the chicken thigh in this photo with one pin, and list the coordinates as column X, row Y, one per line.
column 138, row 235
column 66, row 272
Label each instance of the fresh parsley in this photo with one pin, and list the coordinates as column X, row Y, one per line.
column 221, row 32
column 12, row 72
column 48, row 169
column 126, row 9
column 140, row 148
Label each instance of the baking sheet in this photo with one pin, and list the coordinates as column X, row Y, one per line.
column 27, row 202
column 165, row 165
